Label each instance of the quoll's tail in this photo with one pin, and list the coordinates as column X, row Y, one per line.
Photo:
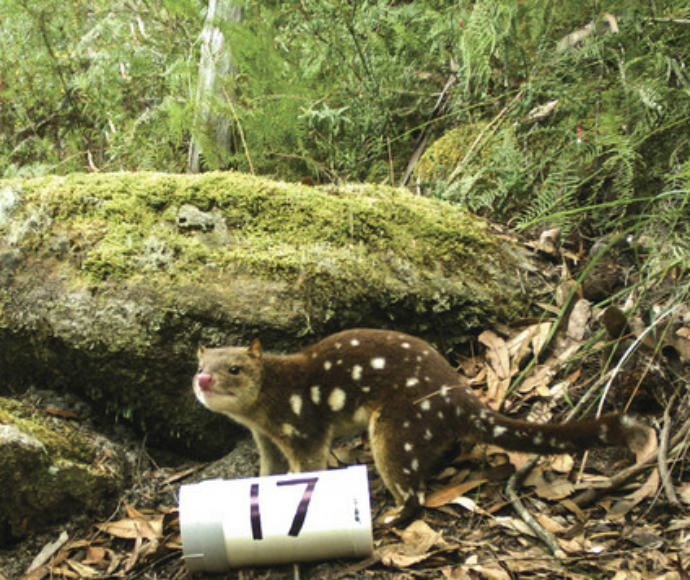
column 610, row 430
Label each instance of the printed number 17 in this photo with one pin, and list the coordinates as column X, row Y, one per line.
column 300, row 513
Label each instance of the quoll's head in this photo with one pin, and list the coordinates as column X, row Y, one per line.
column 228, row 379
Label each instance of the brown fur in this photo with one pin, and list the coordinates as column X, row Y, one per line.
column 396, row 386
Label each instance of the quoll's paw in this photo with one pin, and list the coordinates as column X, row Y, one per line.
column 397, row 516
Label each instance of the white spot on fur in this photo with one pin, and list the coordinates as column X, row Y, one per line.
column 425, row 405
column 443, row 391
column 421, row 497
column 337, row 398
column 603, row 432
column 405, row 345
column 440, row 414
column 538, row 439
column 327, row 365
column 378, row 363
column 414, row 464
column 290, row 430
column 428, row 435
column 458, row 410
column 354, row 342
column 628, row 422
column 404, row 494
column 338, row 346
column 408, row 447
column 361, row 416
column 296, row 404
column 316, row 394
column 357, row 372
column 366, row 389
column 499, row 430
column 406, row 471
column 412, row 381
column 406, row 425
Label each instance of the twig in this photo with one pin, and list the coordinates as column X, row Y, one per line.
column 47, row 553
column 511, row 490
column 662, row 458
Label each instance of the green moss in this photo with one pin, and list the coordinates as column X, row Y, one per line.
column 60, row 441
column 123, row 226
column 444, row 154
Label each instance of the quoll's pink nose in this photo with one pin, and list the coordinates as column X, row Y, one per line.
column 204, row 380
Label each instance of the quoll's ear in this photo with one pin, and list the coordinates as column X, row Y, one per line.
column 201, row 349
column 255, row 349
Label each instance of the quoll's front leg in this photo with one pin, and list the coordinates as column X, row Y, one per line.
column 309, row 453
column 271, row 458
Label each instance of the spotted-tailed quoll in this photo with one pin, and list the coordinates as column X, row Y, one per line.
column 396, row 386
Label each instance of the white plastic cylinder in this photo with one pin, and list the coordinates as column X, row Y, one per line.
column 276, row 519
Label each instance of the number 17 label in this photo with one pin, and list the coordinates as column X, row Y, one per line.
column 300, row 512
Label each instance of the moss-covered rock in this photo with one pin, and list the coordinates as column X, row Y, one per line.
column 51, row 469
column 109, row 282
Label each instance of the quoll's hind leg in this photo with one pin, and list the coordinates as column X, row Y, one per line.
column 405, row 452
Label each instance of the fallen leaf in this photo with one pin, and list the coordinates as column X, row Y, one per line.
column 571, row 506
column 417, row 540
column 420, row 536
column 95, row 555
column 512, row 524
column 549, row 240
column 133, row 528
column 83, row 570
column 498, row 369
column 541, row 333
column 557, row 489
column 550, row 524
column 577, row 322
column 451, row 493
column 64, row 572
column 562, row 463
column 490, row 571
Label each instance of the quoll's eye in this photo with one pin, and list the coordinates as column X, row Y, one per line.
column 234, row 370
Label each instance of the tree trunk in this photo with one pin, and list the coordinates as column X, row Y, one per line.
column 212, row 134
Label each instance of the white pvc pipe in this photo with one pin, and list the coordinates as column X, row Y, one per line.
column 276, row 519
